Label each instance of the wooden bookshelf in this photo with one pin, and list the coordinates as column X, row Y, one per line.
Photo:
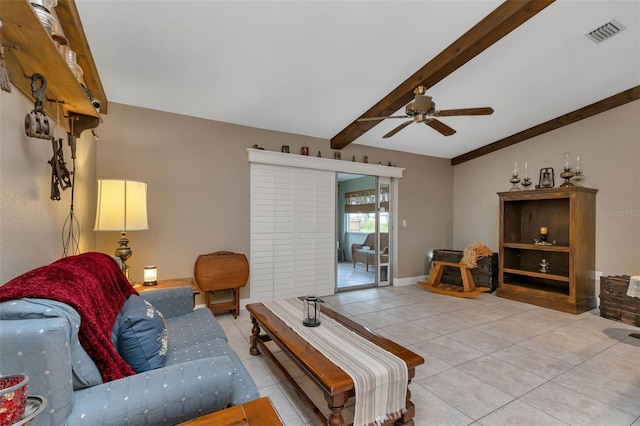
column 569, row 215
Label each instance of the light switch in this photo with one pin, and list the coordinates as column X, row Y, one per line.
column 404, row 223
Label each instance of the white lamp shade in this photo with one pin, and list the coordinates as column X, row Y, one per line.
column 122, row 205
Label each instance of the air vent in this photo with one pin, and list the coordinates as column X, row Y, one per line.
column 605, row 31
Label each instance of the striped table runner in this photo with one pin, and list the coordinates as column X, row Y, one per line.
column 380, row 378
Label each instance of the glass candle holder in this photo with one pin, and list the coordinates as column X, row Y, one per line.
column 311, row 311
column 578, row 173
column 526, row 181
column 150, row 275
column 515, row 180
column 567, row 173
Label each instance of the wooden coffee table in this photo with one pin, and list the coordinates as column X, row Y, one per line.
column 335, row 384
column 257, row 412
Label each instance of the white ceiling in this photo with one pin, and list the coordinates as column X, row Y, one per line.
column 312, row 67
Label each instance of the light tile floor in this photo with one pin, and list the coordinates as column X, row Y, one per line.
column 489, row 360
column 348, row 276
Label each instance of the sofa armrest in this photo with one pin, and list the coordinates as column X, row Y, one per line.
column 172, row 302
column 40, row 349
column 168, row 395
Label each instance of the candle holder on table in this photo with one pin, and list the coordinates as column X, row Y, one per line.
column 311, row 311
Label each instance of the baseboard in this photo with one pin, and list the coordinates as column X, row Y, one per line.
column 400, row 282
column 397, row 282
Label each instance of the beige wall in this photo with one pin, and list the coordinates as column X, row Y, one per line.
column 30, row 223
column 198, row 178
column 609, row 148
column 198, row 188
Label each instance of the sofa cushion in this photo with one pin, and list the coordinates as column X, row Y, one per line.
column 195, row 327
column 244, row 389
column 142, row 335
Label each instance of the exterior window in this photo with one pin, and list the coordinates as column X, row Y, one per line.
column 366, row 222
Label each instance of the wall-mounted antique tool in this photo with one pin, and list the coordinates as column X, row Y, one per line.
column 36, row 123
column 60, row 175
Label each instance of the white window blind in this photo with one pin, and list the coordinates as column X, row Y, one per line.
column 292, row 232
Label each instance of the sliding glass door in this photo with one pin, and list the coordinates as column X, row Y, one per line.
column 383, row 221
column 363, row 225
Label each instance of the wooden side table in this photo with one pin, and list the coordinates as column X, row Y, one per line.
column 175, row 282
column 257, row 412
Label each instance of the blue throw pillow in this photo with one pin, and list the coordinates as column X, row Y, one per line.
column 142, row 335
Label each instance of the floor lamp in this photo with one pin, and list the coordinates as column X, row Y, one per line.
column 122, row 206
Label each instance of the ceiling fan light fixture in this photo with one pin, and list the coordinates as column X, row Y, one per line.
column 422, row 109
column 605, row 32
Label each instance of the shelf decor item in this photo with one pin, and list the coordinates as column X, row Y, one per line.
column 515, row 180
column 311, row 311
column 526, row 182
column 579, row 174
column 567, row 172
column 544, row 237
column 547, row 178
column 544, row 265
column 543, row 234
column 304, row 150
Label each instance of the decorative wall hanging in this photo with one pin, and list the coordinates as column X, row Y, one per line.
column 36, row 123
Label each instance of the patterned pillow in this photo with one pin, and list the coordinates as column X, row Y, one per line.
column 142, row 335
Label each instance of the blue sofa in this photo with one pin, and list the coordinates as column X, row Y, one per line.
column 202, row 373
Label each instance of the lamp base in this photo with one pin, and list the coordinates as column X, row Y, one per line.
column 124, row 252
column 150, row 283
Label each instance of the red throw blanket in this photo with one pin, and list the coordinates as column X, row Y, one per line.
column 94, row 285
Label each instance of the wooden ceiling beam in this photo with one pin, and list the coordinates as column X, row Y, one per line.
column 611, row 102
column 504, row 19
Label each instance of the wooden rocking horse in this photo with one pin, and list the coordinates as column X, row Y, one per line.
column 469, row 261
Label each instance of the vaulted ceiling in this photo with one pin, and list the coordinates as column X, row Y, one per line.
column 314, row 67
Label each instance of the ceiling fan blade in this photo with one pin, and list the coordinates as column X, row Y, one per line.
column 381, row 118
column 464, row 111
column 422, row 103
column 397, row 129
column 439, row 126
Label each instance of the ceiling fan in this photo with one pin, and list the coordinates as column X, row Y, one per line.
column 423, row 110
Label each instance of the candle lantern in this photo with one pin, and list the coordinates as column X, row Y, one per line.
column 150, row 275
column 311, row 311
